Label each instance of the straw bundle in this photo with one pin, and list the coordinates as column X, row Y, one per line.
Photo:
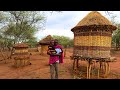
column 92, row 36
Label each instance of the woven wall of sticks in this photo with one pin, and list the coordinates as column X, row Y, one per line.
column 92, row 43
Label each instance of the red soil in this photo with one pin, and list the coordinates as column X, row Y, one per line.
column 40, row 68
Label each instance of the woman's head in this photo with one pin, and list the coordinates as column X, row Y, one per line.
column 56, row 42
column 52, row 42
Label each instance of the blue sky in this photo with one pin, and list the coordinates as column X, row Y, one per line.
column 60, row 23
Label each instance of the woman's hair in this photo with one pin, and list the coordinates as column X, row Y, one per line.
column 52, row 41
column 56, row 40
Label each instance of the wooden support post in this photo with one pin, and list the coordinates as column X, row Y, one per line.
column 94, row 62
column 98, row 69
column 87, row 68
column 77, row 63
column 93, row 66
column 101, row 66
column 74, row 64
column 106, row 69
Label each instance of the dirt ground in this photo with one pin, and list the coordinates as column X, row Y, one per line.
column 40, row 68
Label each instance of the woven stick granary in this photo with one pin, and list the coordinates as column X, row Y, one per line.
column 92, row 36
column 44, row 44
column 21, row 55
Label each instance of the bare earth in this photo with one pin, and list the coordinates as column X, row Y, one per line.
column 40, row 68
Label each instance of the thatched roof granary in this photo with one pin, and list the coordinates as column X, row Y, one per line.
column 92, row 36
column 46, row 40
column 21, row 55
column 43, row 44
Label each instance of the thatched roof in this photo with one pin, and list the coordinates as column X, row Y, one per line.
column 21, row 45
column 94, row 18
column 46, row 40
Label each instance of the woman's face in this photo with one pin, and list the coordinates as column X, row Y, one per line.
column 52, row 42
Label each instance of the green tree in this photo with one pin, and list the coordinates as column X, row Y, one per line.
column 19, row 26
column 116, row 38
column 64, row 41
column 32, row 42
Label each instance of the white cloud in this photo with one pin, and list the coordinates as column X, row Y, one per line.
column 67, row 33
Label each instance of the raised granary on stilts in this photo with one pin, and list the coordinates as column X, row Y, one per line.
column 92, row 36
column 21, row 55
column 43, row 44
column 92, row 42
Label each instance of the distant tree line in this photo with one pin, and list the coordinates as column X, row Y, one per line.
column 66, row 42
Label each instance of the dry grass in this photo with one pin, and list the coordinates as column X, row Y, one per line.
column 46, row 40
column 21, row 45
column 94, row 18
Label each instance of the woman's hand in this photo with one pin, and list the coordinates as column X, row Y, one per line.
column 48, row 52
column 56, row 54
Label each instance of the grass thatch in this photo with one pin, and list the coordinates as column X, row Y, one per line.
column 21, row 45
column 46, row 40
column 94, row 18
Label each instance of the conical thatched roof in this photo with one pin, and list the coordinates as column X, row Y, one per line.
column 94, row 18
column 21, row 45
column 46, row 40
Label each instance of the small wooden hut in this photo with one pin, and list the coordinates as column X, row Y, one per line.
column 43, row 44
column 92, row 36
column 21, row 55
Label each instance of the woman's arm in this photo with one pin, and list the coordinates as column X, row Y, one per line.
column 56, row 54
column 48, row 52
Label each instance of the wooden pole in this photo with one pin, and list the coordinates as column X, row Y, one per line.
column 106, row 67
column 87, row 68
column 98, row 69
column 77, row 63
column 74, row 64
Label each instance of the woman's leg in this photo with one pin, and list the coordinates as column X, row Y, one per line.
column 56, row 70
column 52, row 71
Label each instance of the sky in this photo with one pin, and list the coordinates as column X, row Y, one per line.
column 61, row 23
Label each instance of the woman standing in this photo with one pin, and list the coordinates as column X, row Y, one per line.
column 55, row 54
